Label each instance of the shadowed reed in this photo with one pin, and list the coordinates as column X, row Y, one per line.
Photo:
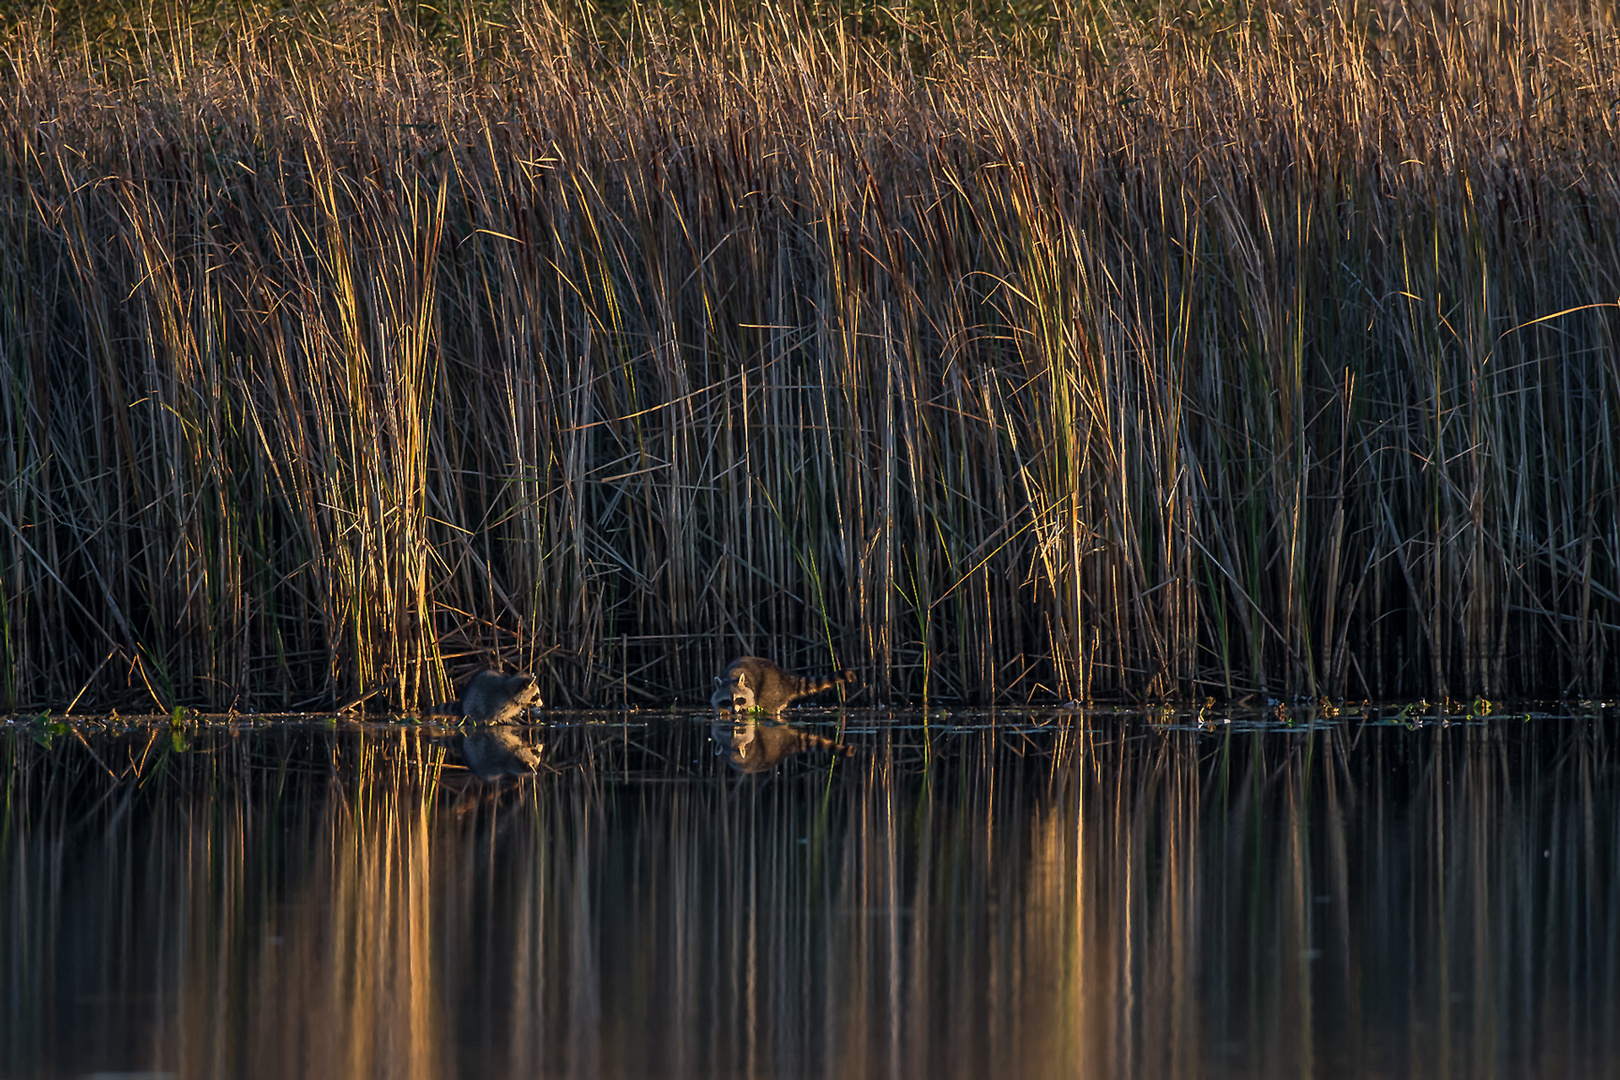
column 1076, row 359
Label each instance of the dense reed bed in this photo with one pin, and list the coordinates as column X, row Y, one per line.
column 1066, row 359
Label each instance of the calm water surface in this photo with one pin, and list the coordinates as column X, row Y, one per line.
column 1007, row 894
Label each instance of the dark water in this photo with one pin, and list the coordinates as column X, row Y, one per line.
column 1007, row 895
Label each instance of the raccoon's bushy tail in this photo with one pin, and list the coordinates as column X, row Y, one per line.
column 816, row 686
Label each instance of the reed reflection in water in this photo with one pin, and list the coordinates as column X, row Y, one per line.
column 1012, row 896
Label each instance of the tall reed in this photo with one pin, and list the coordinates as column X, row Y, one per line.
column 1070, row 359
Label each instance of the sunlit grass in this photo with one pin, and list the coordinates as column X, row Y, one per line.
column 1050, row 358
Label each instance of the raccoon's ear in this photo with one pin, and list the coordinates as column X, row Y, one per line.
column 718, row 682
column 742, row 678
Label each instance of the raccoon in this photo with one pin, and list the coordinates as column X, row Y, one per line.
column 752, row 747
column 492, row 698
column 751, row 682
column 497, row 752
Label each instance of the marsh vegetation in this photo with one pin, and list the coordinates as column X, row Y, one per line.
column 1111, row 351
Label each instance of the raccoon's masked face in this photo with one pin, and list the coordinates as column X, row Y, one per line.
column 734, row 695
column 527, row 692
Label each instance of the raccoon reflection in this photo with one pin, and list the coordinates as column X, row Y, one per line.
column 753, row 746
column 752, row 682
column 497, row 752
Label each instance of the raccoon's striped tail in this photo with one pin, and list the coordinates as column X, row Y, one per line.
column 816, row 686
